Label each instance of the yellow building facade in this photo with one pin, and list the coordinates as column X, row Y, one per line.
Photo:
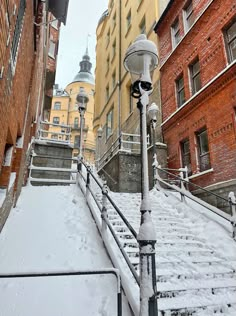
column 64, row 110
column 115, row 109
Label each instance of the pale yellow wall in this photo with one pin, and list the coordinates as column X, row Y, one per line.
column 119, row 96
column 73, row 89
column 68, row 113
column 62, row 114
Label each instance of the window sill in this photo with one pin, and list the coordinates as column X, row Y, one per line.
column 201, row 173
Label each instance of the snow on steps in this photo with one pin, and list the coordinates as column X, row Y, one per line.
column 192, row 278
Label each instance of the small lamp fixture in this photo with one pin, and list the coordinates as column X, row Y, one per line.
column 99, row 132
column 82, row 99
column 140, row 60
column 152, row 112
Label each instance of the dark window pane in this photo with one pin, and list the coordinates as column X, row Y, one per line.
column 233, row 49
column 231, row 33
column 180, row 91
column 186, row 158
column 195, row 68
column 203, row 150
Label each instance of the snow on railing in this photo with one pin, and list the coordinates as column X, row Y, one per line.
column 181, row 184
column 56, row 133
column 92, row 190
column 105, row 271
column 126, row 142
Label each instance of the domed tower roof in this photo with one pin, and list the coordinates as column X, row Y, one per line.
column 85, row 75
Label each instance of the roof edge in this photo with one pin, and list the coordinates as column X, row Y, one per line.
column 163, row 15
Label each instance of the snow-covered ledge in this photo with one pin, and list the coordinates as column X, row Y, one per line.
column 200, row 173
column 3, row 192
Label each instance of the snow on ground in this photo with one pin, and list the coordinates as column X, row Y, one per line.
column 51, row 229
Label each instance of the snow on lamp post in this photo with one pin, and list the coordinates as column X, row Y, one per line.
column 140, row 60
column 152, row 115
column 99, row 136
column 82, row 99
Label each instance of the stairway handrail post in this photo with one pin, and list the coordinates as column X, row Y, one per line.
column 104, row 209
column 88, row 168
column 232, row 204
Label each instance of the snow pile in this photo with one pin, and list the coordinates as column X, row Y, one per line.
column 51, row 229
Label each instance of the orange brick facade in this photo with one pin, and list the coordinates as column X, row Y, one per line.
column 213, row 106
column 23, row 61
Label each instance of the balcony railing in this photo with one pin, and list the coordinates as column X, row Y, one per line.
column 54, row 132
column 77, row 127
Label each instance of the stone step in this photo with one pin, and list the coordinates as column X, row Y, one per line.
column 190, row 305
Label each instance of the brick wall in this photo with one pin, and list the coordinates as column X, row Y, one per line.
column 19, row 96
column 212, row 107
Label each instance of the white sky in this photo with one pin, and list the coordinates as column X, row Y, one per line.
column 82, row 19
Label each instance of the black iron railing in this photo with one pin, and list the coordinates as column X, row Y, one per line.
column 182, row 182
column 72, row 273
column 103, row 209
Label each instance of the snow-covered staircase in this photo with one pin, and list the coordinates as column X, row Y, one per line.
column 51, row 163
column 193, row 277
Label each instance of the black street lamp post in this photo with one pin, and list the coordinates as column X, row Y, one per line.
column 82, row 99
column 140, row 60
column 152, row 115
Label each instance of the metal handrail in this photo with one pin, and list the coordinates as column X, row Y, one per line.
column 190, row 183
column 184, row 193
column 128, row 225
column 72, row 273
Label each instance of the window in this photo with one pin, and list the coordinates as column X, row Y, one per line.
column 108, row 63
column 113, row 49
column 142, row 26
column 56, row 120
column 108, row 37
column 203, row 150
column 77, row 141
column 128, row 20
column 186, row 158
column 114, row 20
column 109, row 123
column 107, row 92
column 17, row 31
column 114, row 79
column 195, row 76
column 57, row 106
column 51, row 50
column 180, row 91
column 175, row 31
column 53, row 136
column 231, row 41
column 188, row 16
column 76, row 122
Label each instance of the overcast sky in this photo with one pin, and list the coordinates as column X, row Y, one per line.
column 82, row 19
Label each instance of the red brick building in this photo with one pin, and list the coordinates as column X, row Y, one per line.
column 197, row 44
column 24, row 47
